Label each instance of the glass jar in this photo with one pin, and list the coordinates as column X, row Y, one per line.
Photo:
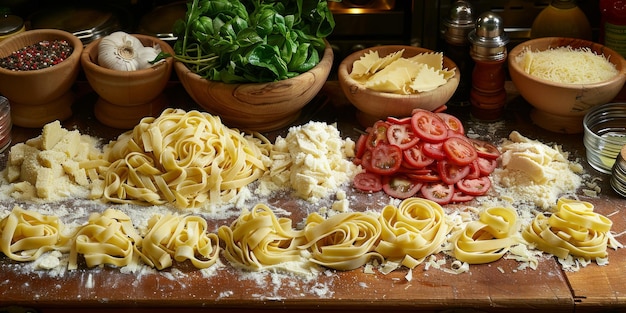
column 604, row 135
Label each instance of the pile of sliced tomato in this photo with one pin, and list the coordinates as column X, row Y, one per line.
column 425, row 155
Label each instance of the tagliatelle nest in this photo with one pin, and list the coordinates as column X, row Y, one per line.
column 396, row 74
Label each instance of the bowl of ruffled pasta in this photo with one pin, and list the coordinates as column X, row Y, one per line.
column 393, row 80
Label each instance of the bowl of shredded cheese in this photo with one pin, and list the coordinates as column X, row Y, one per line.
column 563, row 78
column 393, row 80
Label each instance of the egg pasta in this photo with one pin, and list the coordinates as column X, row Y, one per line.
column 258, row 240
column 573, row 229
column 189, row 159
column 107, row 238
column 174, row 237
column 344, row 241
column 26, row 235
column 487, row 239
column 412, row 231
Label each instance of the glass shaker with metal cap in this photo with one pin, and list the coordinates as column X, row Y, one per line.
column 456, row 28
column 488, row 50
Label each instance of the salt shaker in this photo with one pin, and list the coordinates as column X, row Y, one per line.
column 488, row 49
column 456, row 28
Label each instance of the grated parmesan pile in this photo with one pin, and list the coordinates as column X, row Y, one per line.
column 567, row 65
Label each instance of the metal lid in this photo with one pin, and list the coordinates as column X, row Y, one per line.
column 160, row 21
column 87, row 22
column 460, row 22
column 10, row 24
column 488, row 37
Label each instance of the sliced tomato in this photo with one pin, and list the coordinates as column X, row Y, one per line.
column 460, row 196
column 434, row 150
column 428, row 176
column 452, row 122
column 438, row 192
column 361, row 146
column 474, row 187
column 367, row 182
column 396, row 120
column 452, row 173
column 400, row 186
column 377, row 134
column 385, row 159
column 485, row 149
column 414, row 156
column 486, row 166
column 401, row 135
column 428, row 126
column 474, row 170
column 459, row 151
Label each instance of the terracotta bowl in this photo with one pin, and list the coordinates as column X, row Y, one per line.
column 374, row 105
column 127, row 96
column 38, row 97
column 257, row 106
column 561, row 107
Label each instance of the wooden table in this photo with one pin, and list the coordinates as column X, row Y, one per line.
column 495, row 287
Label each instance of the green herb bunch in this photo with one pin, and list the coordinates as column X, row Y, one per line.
column 252, row 40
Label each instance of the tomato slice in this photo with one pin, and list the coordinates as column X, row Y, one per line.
column 361, row 146
column 485, row 149
column 474, row 187
column 414, row 156
column 474, row 170
column 424, row 177
column 486, row 166
column 367, row 182
column 452, row 122
column 452, row 173
column 459, row 151
column 400, row 186
column 385, row 159
column 434, row 150
column 460, row 196
column 396, row 120
column 401, row 135
column 377, row 134
column 438, row 192
column 428, row 126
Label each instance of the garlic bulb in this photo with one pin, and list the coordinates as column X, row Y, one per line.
column 124, row 52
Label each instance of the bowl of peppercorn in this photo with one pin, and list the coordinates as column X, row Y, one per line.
column 37, row 70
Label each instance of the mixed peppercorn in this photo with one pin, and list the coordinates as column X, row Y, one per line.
column 38, row 56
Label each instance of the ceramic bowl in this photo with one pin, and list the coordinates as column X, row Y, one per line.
column 127, row 96
column 257, row 106
column 38, row 97
column 374, row 105
column 560, row 107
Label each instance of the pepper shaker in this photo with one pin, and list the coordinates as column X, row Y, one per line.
column 456, row 29
column 488, row 50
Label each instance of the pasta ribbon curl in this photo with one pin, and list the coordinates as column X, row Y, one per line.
column 26, row 235
column 180, row 238
column 344, row 241
column 573, row 229
column 487, row 239
column 189, row 159
column 257, row 240
column 107, row 238
column 414, row 230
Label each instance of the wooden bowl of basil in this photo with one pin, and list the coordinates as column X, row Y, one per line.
column 257, row 106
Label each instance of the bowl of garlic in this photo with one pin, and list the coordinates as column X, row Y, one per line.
column 393, row 80
column 130, row 87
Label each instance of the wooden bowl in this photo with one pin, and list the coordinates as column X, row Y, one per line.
column 38, row 97
column 561, row 107
column 257, row 106
column 375, row 105
column 127, row 96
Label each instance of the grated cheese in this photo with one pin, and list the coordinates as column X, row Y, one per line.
column 567, row 65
